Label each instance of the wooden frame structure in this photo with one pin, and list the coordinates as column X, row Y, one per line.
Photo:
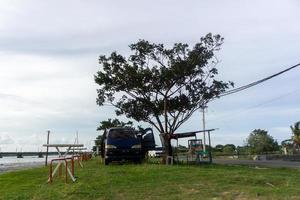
column 194, row 134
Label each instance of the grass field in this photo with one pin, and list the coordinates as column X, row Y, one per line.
column 154, row 181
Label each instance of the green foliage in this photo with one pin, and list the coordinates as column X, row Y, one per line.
column 182, row 148
column 226, row 149
column 218, row 148
column 243, row 150
column 154, row 79
column 287, row 143
column 260, row 142
column 97, row 143
column 296, row 134
column 113, row 123
column 229, row 148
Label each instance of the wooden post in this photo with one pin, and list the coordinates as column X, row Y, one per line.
column 209, row 142
column 48, row 133
column 66, row 171
column 72, row 166
column 50, row 173
column 60, row 170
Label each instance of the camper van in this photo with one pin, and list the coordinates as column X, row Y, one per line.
column 126, row 144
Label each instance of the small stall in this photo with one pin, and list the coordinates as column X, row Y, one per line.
column 199, row 151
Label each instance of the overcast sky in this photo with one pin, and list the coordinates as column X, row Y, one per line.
column 49, row 52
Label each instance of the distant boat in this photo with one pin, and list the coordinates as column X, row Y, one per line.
column 40, row 155
column 19, row 155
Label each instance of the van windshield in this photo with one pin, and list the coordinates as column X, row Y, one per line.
column 122, row 134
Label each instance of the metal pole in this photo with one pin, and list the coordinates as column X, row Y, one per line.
column 48, row 133
column 77, row 137
column 203, row 122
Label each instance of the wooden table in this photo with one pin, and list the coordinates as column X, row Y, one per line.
column 69, row 147
column 78, row 149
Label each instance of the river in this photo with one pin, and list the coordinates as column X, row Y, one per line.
column 14, row 163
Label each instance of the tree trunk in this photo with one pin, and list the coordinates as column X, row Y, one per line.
column 167, row 147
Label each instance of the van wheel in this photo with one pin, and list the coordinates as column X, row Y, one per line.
column 106, row 161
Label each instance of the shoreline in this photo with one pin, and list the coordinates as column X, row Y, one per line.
column 10, row 167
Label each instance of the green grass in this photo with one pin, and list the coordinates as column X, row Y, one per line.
column 154, row 181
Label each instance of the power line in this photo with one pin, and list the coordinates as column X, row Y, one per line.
column 231, row 116
column 257, row 82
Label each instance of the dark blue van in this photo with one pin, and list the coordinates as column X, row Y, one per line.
column 124, row 143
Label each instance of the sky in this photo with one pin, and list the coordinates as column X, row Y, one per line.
column 49, row 54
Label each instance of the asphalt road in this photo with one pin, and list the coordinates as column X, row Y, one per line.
column 261, row 163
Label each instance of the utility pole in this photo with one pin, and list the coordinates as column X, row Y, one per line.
column 48, row 133
column 203, row 122
column 75, row 142
column 77, row 136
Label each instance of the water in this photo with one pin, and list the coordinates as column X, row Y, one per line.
column 25, row 159
column 14, row 163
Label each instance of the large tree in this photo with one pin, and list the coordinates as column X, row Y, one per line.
column 159, row 85
column 259, row 141
column 296, row 135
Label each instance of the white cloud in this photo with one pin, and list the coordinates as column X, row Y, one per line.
column 49, row 52
column 281, row 133
column 5, row 139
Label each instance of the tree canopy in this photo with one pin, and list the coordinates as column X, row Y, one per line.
column 229, row 148
column 106, row 124
column 219, row 147
column 296, row 135
column 159, row 85
column 259, row 141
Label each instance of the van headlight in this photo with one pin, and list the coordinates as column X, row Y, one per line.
column 137, row 146
column 109, row 146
